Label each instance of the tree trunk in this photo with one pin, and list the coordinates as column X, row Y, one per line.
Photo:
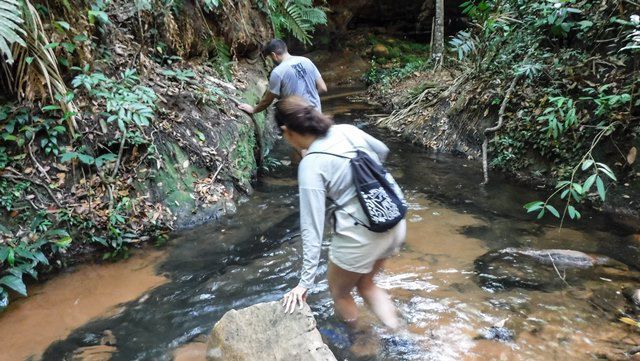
column 437, row 49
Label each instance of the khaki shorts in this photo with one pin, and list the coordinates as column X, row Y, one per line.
column 356, row 249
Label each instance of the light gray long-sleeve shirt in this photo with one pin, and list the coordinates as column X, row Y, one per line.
column 321, row 176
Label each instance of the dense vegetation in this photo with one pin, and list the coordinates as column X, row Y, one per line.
column 81, row 125
column 561, row 78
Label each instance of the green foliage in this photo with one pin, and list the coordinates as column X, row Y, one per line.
column 559, row 117
column 606, row 99
column 127, row 102
column 97, row 15
column 10, row 193
column 10, row 30
column 463, row 44
column 21, row 127
column 297, row 17
column 632, row 35
column 181, row 75
column 15, row 121
column 385, row 76
column 270, row 163
column 210, row 95
column 222, row 60
column 477, row 10
column 576, row 56
column 573, row 191
column 556, row 16
column 405, row 58
column 209, row 5
column 25, row 251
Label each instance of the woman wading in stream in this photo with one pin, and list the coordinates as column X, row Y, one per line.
column 356, row 254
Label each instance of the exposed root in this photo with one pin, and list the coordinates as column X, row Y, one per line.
column 418, row 103
column 485, row 142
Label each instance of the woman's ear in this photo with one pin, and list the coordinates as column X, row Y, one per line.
column 283, row 128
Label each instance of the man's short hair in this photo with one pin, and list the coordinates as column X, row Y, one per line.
column 274, row 46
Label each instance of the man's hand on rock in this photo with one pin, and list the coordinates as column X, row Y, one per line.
column 246, row 108
column 297, row 296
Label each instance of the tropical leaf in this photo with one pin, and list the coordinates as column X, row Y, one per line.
column 10, row 27
column 35, row 74
column 298, row 17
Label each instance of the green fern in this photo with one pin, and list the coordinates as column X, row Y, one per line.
column 298, row 17
column 10, row 27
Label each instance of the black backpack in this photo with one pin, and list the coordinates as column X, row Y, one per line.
column 383, row 207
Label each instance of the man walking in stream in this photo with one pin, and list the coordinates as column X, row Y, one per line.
column 293, row 75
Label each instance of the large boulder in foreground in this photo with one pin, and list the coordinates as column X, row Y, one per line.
column 264, row 332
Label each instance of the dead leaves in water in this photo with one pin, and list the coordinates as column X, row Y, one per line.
column 208, row 191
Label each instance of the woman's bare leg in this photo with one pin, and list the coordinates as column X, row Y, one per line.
column 376, row 298
column 341, row 283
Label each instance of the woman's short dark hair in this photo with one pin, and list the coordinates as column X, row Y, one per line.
column 300, row 116
column 274, row 46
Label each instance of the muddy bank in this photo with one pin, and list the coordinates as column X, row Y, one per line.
column 55, row 308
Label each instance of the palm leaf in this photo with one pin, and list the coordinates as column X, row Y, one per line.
column 10, row 30
column 39, row 78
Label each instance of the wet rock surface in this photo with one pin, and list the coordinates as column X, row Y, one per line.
column 497, row 333
column 545, row 269
column 264, row 332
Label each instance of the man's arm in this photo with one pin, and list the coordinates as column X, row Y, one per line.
column 320, row 85
column 266, row 100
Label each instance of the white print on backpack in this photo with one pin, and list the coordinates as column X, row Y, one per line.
column 380, row 206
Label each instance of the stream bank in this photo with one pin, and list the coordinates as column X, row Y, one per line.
column 149, row 140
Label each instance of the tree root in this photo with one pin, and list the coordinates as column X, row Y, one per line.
column 417, row 104
column 485, row 142
column 18, row 176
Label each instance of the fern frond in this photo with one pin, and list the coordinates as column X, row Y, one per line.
column 298, row 17
column 315, row 16
column 10, row 27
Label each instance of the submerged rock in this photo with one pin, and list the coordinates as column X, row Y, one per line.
column 633, row 295
column 497, row 333
column 265, row 332
column 543, row 269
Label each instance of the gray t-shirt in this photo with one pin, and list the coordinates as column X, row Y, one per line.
column 296, row 76
column 321, row 176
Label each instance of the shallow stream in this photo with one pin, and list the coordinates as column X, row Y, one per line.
column 179, row 293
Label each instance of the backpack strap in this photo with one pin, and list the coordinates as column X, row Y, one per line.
column 356, row 219
column 333, row 154
column 338, row 206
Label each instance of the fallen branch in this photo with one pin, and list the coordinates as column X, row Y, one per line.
column 215, row 175
column 117, row 166
column 485, row 142
column 562, row 277
column 35, row 162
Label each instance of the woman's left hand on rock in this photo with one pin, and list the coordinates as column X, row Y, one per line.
column 297, row 296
